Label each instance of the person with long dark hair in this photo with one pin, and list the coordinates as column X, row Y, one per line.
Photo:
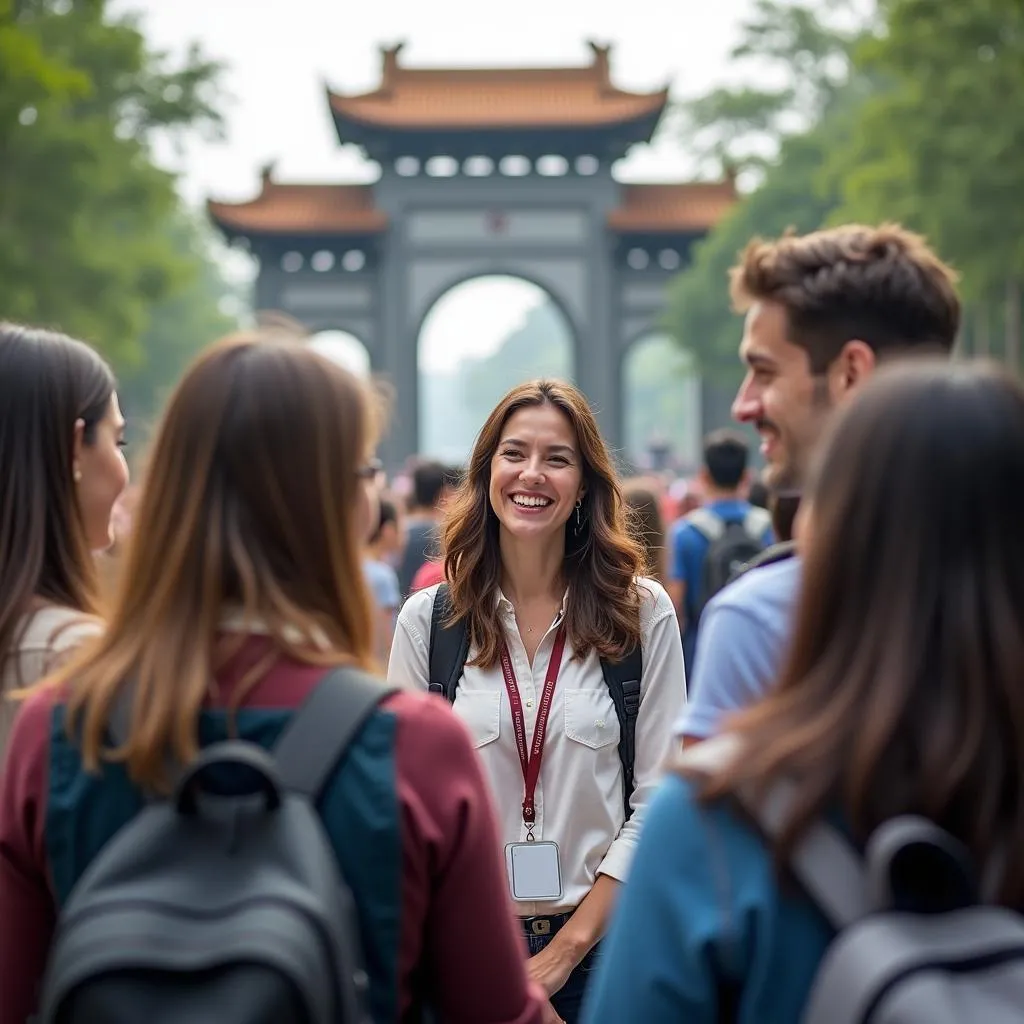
column 62, row 470
column 901, row 695
column 568, row 673
column 242, row 593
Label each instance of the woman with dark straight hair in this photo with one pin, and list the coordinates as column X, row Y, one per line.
column 901, row 696
column 242, row 590
column 61, row 470
column 545, row 583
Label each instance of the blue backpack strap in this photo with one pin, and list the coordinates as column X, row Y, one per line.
column 449, row 646
column 623, row 681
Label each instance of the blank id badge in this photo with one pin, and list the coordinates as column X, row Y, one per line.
column 534, row 872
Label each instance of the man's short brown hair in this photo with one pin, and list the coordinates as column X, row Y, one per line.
column 880, row 285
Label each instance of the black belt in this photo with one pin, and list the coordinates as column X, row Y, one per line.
column 544, row 925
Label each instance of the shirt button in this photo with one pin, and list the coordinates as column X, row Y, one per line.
column 529, row 703
column 600, row 723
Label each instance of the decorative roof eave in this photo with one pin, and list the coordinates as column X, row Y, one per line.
column 418, row 100
column 311, row 210
column 610, row 141
column 682, row 208
column 346, row 111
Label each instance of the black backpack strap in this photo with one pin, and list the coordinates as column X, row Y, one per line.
column 322, row 729
column 781, row 551
column 449, row 646
column 623, row 681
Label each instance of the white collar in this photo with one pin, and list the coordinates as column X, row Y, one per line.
column 237, row 621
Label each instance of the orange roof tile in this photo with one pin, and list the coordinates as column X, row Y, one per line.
column 468, row 98
column 303, row 209
column 687, row 206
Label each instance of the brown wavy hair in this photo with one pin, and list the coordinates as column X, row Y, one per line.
column 249, row 506
column 602, row 560
column 882, row 285
column 902, row 691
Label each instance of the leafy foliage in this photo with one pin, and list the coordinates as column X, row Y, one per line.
column 83, row 209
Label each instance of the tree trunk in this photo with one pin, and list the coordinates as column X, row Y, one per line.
column 1013, row 324
column 982, row 333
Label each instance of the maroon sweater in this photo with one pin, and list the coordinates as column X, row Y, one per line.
column 420, row 850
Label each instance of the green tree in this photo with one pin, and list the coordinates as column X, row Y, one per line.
column 180, row 326
column 83, row 210
column 806, row 46
column 794, row 195
column 941, row 147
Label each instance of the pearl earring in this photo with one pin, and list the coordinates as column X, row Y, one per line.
column 77, row 475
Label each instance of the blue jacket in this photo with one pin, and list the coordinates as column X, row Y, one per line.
column 703, row 913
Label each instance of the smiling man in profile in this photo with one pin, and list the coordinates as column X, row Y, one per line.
column 822, row 311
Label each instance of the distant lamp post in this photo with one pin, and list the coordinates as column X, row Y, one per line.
column 659, row 448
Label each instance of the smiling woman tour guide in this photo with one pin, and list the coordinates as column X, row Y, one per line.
column 544, row 583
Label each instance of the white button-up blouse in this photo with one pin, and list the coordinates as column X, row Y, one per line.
column 579, row 800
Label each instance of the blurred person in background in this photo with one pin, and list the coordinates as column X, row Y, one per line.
column 62, row 471
column 432, row 483
column 709, row 544
column 384, row 551
column 648, row 526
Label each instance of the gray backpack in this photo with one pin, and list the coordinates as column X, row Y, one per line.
column 226, row 903
column 732, row 544
column 915, row 942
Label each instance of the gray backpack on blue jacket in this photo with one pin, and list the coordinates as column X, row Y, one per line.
column 225, row 904
column 915, row 943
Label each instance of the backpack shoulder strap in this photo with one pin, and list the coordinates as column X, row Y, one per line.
column 756, row 521
column 824, row 862
column 449, row 646
column 828, row 868
column 623, row 681
column 710, row 525
column 322, row 729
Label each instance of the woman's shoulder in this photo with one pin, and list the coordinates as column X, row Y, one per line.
column 417, row 609
column 654, row 601
column 57, row 628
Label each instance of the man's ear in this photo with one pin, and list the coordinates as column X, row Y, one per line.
column 854, row 364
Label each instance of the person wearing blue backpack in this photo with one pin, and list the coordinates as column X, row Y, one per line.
column 716, row 540
column 850, row 850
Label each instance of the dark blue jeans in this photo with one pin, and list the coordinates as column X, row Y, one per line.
column 568, row 1000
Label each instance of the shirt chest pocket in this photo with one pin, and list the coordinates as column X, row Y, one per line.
column 480, row 710
column 590, row 718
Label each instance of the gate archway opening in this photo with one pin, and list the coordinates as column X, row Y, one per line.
column 481, row 337
column 343, row 348
column 662, row 404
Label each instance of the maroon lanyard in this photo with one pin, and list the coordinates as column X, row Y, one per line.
column 530, row 759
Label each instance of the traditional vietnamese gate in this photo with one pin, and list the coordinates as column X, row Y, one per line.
column 483, row 171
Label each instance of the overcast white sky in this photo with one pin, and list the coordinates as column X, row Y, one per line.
column 281, row 53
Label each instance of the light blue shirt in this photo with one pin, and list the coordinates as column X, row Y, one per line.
column 383, row 583
column 743, row 636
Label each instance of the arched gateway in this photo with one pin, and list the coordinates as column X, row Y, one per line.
column 483, row 171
